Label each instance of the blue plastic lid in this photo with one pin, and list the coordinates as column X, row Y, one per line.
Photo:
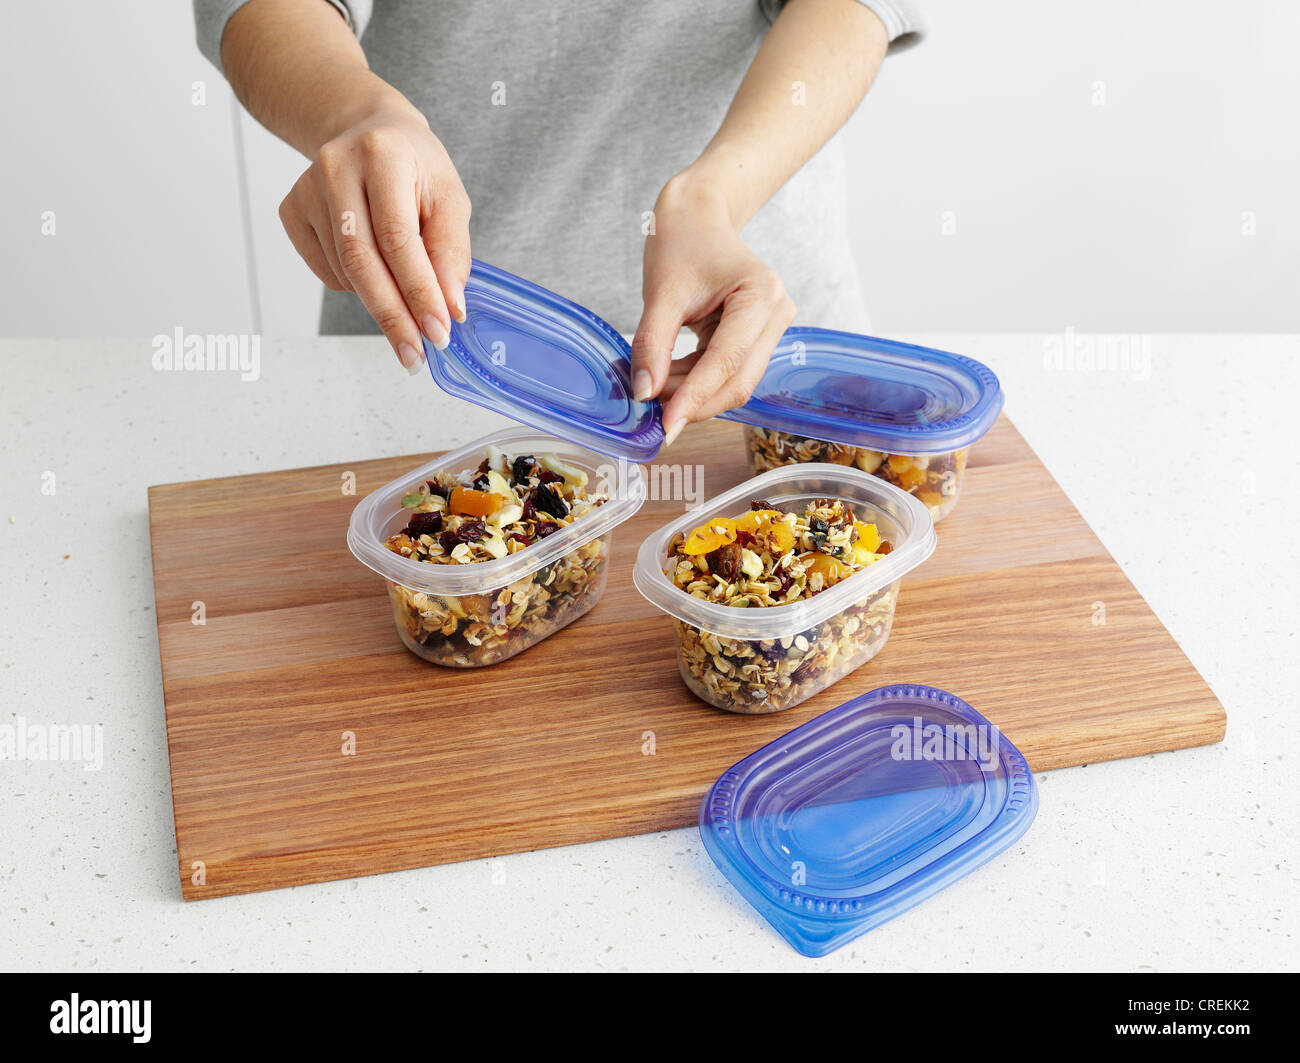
column 548, row 363
column 864, row 811
column 867, row 392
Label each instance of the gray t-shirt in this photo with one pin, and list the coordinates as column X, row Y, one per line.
column 565, row 120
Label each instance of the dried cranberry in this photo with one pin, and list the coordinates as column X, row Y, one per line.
column 548, row 477
column 787, row 581
column 744, row 538
column 436, row 488
column 424, row 524
column 480, row 482
column 468, row 532
column 544, row 529
column 520, row 538
column 530, row 510
column 549, row 501
column 471, row 530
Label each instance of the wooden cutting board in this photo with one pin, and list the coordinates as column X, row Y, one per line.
column 589, row 734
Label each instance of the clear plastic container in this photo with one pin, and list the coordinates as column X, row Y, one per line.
column 761, row 660
column 470, row 615
column 933, row 478
column 906, row 414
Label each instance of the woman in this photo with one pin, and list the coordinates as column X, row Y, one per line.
column 612, row 151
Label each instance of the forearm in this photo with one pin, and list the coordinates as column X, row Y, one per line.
column 810, row 74
column 298, row 69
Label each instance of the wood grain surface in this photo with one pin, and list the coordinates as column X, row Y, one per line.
column 548, row 748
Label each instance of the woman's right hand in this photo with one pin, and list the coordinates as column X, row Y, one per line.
column 381, row 211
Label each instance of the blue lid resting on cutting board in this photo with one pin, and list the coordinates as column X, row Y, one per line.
column 864, row 811
column 537, row 357
column 866, row 392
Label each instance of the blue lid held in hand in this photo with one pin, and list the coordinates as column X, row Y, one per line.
column 864, row 811
column 547, row 362
column 867, row 392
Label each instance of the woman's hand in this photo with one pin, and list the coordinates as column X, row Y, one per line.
column 381, row 211
column 699, row 273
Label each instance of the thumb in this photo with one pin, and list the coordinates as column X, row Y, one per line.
column 652, row 346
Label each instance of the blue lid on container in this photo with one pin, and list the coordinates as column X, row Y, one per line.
column 547, row 362
column 864, row 811
column 867, row 392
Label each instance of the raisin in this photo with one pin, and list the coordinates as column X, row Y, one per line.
column 769, row 653
column 549, row 501
column 819, row 526
column 436, row 488
column 725, row 562
column 480, row 482
column 524, row 468
column 424, row 524
column 544, row 529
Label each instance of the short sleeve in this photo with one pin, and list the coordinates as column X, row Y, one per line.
column 211, row 16
column 902, row 19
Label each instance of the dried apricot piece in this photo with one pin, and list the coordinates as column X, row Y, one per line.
column 756, row 520
column 780, row 537
column 709, row 536
column 868, row 535
column 831, row 570
column 471, row 503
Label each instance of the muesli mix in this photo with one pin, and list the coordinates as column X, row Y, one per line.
column 772, row 557
column 506, row 505
column 935, row 478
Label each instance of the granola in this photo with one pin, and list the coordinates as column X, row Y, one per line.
column 508, row 504
column 935, row 478
column 770, row 557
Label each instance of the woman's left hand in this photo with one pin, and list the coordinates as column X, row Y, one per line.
column 698, row 272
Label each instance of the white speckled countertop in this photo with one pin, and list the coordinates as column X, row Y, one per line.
column 1182, row 860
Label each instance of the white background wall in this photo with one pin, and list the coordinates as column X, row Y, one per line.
column 1105, row 166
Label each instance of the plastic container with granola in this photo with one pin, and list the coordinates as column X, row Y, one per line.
column 783, row 585
column 495, row 546
column 908, row 415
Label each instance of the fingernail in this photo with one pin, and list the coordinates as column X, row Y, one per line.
column 641, row 383
column 673, row 429
column 409, row 357
column 436, row 333
column 460, row 308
